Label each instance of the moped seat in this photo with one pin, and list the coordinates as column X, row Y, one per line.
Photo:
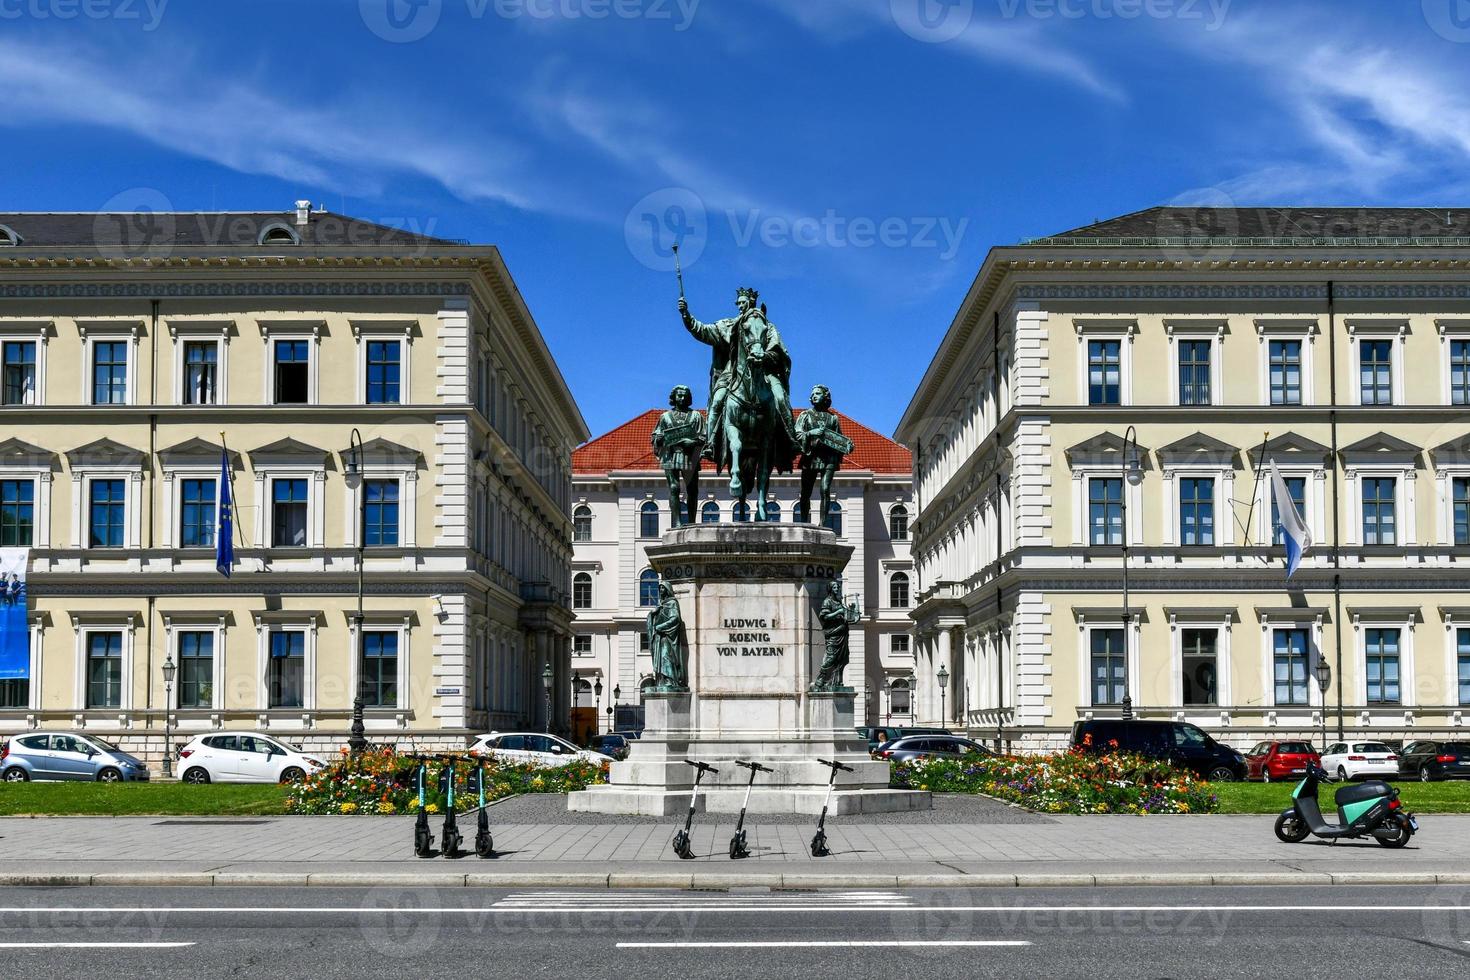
column 1372, row 789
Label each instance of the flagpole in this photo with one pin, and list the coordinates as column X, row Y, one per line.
column 1256, row 490
column 230, row 472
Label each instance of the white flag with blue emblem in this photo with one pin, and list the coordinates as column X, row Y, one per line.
column 1294, row 532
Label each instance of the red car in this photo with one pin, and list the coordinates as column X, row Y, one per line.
column 1279, row 760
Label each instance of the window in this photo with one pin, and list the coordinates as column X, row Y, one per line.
column 648, row 520
column 740, row 513
column 1104, row 372
column 293, row 372
column 107, row 513
column 648, row 588
column 383, row 370
column 582, row 524
column 582, row 645
column 15, row 692
column 1197, row 511
column 1199, row 648
column 642, row 641
column 196, row 514
column 17, row 513
column 1285, row 363
column 378, row 681
column 898, row 643
column 1105, row 510
column 898, row 697
column 1109, row 667
column 1289, row 652
column 773, row 512
column 1194, row 372
column 18, row 365
column 833, row 522
column 1462, row 654
column 709, row 513
column 196, row 669
column 1381, row 647
column 1461, row 509
column 201, row 365
column 288, row 513
column 110, row 373
column 1378, row 510
column 898, row 590
column 1296, row 489
column 582, row 591
column 286, row 681
column 1375, row 372
column 898, row 523
column 380, row 513
column 1460, row 372
column 104, row 669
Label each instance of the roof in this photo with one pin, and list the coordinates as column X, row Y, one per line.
column 45, row 229
column 629, row 447
column 1267, row 226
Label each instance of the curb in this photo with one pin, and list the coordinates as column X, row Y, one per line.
column 634, row 880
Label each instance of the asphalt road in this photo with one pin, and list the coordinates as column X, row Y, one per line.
column 164, row 933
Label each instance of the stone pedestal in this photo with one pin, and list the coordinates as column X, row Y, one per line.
column 749, row 595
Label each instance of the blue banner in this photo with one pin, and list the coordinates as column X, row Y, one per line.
column 224, row 532
column 15, row 627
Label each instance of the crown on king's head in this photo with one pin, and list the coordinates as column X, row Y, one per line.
column 748, row 293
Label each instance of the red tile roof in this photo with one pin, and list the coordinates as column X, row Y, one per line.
column 628, row 448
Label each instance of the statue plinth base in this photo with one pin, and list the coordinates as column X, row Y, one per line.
column 748, row 595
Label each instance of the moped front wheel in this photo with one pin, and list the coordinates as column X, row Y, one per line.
column 1291, row 828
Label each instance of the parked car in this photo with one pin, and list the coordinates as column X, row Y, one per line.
column 1354, row 760
column 611, row 744
column 70, row 756
column 1270, row 760
column 877, row 735
column 243, row 757
column 1429, row 761
column 1183, row 745
column 543, row 750
column 929, row 746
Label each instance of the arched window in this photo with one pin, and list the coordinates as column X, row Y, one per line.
column 648, row 588
column 648, row 520
column 8, row 236
column 834, row 519
column 741, row 513
column 898, row 523
column 645, row 687
column 582, row 591
column 898, row 697
column 582, row 524
column 279, row 234
column 773, row 511
column 898, row 590
column 582, row 693
column 709, row 513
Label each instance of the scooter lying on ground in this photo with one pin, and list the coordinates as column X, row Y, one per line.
column 484, row 843
column 681, row 839
column 451, row 836
column 1368, row 809
column 423, row 840
column 819, row 840
column 738, row 849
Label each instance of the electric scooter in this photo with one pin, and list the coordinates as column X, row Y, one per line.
column 1369, row 809
column 681, row 839
column 738, row 849
column 484, row 843
column 819, row 841
column 451, row 835
column 423, row 840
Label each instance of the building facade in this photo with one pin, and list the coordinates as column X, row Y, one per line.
column 620, row 506
column 1333, row 342
column 378, row 395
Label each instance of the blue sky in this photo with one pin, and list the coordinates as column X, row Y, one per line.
column 852, row 159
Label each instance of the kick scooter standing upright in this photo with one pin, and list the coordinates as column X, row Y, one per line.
column 484, row 843
column 423, row 841
column 681, row 839
column 451, row 835
column 819, row 841
column 738, row 849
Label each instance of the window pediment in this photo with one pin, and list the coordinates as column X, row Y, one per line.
column 1290, row 449
column 1198, row 448
column 195, row 452
column 1103, row 449
column 105, row 452
column 1381, row 448
column 17, row 452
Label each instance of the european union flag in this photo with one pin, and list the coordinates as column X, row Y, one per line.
column 224, row 531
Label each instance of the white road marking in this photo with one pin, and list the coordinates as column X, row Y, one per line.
column 828, row 944
column 94, row 945
column 480, row 910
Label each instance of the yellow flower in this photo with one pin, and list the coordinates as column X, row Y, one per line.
column 432, row 808
column 348, row 808
column 386, row 808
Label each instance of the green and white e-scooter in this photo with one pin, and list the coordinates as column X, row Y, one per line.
column 451, row 835
column 423, row 840
column 484, row 843
column 1368, row 809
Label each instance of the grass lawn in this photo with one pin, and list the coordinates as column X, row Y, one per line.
column 1446, row 797
column 129, row 799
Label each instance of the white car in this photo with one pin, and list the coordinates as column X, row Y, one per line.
column 1354, row 760
column 542, row 750
column 243, row 757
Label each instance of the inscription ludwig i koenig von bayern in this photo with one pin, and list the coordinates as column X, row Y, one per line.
column 749, row 638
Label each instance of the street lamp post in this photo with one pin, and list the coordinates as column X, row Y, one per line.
column 596, row 698
column 1132, row 472
column 168, row 703
column 617, row 700
column 1324, row 679
column 357, row 741
column 943, row 677
column 913, row 696
column 547, row 676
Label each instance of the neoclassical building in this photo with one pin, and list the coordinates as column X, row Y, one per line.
column 375, row 392
column 620, row 505
column 1204, row 344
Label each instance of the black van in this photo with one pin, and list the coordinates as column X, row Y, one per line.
column 1183, row 745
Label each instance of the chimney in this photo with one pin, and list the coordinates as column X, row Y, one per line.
column 303, row 213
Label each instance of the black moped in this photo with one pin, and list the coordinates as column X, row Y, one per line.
column 1367, row 809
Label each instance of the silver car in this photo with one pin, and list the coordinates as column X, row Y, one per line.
column 68, row 755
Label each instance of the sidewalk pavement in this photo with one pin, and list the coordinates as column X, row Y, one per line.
column 614, row 852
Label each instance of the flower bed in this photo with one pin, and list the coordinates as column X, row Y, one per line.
column 387, row 783
column 1068, row 782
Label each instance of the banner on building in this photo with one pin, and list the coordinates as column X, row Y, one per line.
column 15, row 627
